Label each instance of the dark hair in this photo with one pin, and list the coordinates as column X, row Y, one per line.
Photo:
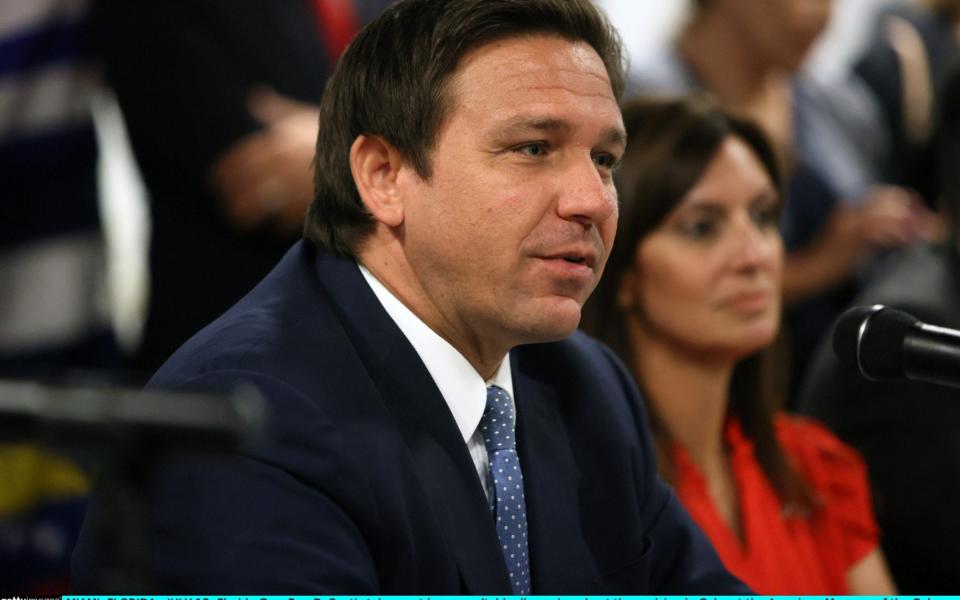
column 393, row 81
column 672, row 141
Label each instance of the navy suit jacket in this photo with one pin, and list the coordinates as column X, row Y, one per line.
column 364, row 484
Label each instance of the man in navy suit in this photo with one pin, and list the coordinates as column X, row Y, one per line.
column 465, row 209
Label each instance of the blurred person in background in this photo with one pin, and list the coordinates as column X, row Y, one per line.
column 748, row 56
column 54, row 318
column 903, row 67
column 219, row 97
column 689, row 301
column 54, row 312
column 907, row 431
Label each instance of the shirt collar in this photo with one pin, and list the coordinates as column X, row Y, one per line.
column 463, row 389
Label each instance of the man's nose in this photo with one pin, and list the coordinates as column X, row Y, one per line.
column 586, row 195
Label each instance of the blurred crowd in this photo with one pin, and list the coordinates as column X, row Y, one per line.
column 854, row 200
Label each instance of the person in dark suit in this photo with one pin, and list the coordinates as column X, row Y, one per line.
column 220, row 99
column 907, row 431
column 437, row 426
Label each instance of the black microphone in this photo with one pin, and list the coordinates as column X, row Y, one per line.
column 885, row 344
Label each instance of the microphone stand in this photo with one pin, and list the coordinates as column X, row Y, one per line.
column 122, row 436
column 120, row 529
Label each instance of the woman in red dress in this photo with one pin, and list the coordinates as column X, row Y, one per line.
column 689, row 300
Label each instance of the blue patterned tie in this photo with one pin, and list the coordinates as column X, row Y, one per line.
column 506, row 481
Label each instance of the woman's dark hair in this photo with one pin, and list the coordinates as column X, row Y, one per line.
column 393, row 82
column 671, row 143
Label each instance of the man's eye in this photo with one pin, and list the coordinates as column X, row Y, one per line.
column 533, row 149
column 605, row 161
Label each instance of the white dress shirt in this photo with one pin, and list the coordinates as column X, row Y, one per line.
column 463, row 389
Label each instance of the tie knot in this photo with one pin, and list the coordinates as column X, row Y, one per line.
column 496, row 425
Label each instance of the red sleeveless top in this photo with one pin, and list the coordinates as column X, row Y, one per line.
column 788, row 554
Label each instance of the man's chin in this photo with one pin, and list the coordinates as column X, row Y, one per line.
column 552, row 325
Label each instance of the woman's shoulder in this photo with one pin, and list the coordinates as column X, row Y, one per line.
column 831, row 466
column 806, row 434
column 838, row 476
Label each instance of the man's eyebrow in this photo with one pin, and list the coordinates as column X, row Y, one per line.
column 615, row 135
column 526, row 123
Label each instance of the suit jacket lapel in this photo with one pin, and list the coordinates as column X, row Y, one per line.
column 560, row 561
column 440, row 456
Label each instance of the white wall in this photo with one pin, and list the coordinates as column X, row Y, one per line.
column 648, row 24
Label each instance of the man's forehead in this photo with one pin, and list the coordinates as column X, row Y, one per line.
column 507, row 95
column 586, row 57
column 504, row 77
column 526, row 60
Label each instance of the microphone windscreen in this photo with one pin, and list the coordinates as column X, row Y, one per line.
column 846, row 333
column 881, row 347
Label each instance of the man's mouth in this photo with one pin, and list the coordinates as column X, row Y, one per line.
column 584, row 256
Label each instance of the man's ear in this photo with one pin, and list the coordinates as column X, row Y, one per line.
column 376, row 164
